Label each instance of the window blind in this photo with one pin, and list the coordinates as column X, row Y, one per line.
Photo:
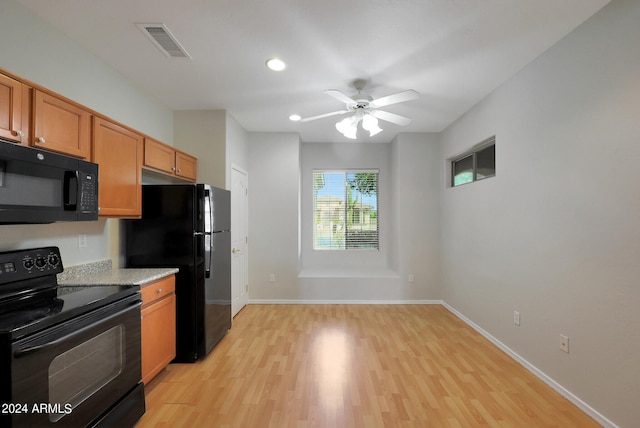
column 345, row 210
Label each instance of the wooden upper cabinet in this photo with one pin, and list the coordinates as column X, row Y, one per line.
column 159, row 156
column 163, row 158
column 61, row 126
column 186, row 166
column 118, row 153
column 13, row 110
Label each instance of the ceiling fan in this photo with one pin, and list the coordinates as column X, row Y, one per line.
column 365, row 109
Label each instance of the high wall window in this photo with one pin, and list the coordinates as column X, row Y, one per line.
column 475, row 165
column 345, row 210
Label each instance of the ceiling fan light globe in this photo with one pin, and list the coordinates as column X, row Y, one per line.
column 348, row 127
column 351, row 133
column 370, row 123
column 342, row 125
column 374, row 131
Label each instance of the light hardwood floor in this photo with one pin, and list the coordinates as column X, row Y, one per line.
column 354, row 366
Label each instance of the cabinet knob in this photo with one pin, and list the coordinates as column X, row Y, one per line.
column 41, row 140
column 159, row 290
column 18, row 133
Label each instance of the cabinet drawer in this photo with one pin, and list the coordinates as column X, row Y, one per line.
column 158, row 289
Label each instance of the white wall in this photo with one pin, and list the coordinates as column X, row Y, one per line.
column 556, row 234
column 280, row 222
column 216, row 139
column 353, row 264
column 415, row 160
column 202, row 133
column 32, row 49
column 274, row 182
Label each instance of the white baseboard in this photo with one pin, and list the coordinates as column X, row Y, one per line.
column 342, row 302
column 597, row 416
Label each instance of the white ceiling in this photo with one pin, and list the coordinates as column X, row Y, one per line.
column 453, row 52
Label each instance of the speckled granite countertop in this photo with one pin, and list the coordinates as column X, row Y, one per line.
column 101, row 273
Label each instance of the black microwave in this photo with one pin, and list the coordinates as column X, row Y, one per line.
column 37, row 186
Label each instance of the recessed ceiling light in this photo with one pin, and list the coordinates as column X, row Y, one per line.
column 295, row 117
column 276, row 64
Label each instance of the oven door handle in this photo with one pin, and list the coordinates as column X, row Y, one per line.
column 31, row 349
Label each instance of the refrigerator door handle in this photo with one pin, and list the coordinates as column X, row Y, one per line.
column 208, row 226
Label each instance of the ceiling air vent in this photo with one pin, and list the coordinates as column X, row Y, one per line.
column 160, row 36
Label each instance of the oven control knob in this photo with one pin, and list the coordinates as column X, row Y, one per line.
column 54, row 260
column 28, row 263
column 41, row 262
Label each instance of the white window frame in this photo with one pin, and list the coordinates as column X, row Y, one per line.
column 319, row 225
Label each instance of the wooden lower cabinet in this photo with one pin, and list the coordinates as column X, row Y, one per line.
column 158, row 326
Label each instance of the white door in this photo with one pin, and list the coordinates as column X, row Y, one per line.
column 239, row 238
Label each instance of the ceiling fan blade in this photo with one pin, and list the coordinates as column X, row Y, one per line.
column 391, row 117
column 339, row 96
column 320, row 116
column 399, row 97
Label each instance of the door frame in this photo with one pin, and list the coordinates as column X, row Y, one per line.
column 239, row 298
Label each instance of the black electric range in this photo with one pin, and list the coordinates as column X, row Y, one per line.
column 32, row 300
column 70, row 355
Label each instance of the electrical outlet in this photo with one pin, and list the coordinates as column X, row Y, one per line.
column 411, row 278
column 564, row 343
column 272, row 277
column 516, row 317
column 82, row 240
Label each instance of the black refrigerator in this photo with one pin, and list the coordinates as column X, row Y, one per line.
column 188, row 226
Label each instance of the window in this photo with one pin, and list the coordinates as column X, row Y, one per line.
column 475, row 165
column 345, row 210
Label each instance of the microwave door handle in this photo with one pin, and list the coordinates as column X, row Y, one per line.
column 70, row 191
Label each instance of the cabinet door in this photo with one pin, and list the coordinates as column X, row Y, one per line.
column 118, row 152
column 60, row 126
column 11, row 109
column 158, row 336
column 186, row 166
column 159, row 156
